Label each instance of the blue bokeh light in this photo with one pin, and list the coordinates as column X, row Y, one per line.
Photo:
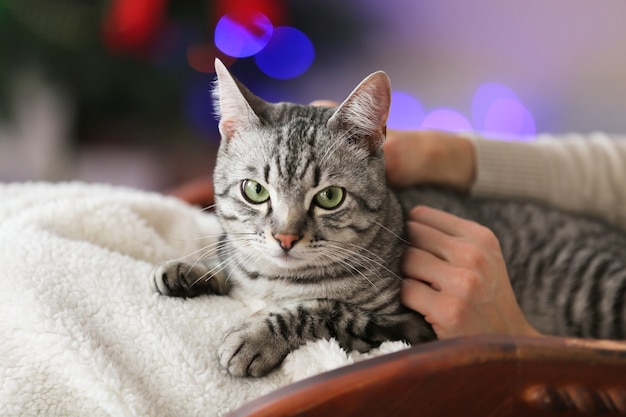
column 288, row 54
column 241, row 39
column 446, row 119
column 406, row 111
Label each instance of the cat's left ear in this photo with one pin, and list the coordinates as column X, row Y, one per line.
column 364, row 113
column 235, row 104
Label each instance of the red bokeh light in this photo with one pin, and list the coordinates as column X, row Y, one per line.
column 132, row 24
column 245, row 11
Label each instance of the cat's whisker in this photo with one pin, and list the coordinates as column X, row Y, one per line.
column 200, row 278
column 195, row 239
column 333, row 148
column 203, row 258
column 208, row 208
column 216, row 235
column 355, row 256
column 360, row 249
column 205, row 252
column 212, row 250
column 400, row 238
column 232, row 257
column 219, row 250
column 201, row 249
column 379, row 263
column 212, row 247
column 217, row 269
column 328, row 153
column 247, row 258
column 236, row 258
column 351, row 268
column 203, row 237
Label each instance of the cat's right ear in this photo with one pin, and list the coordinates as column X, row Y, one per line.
column 233, row 103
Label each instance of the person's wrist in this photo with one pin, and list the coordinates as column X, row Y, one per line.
column 450, row 159
column 429, row 157
column 461, row 169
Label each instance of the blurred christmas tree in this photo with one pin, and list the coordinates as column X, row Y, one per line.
column 143, row 61
column 104, row 53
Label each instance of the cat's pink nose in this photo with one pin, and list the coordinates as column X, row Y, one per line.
column 286, row 241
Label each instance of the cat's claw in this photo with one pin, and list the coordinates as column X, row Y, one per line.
column 160, row 279
column 252, row 350
column 181, row 279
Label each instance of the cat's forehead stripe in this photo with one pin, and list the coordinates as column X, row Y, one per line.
column 291, row 168
column 317, row 176
column 294, row 153
column 266, row 173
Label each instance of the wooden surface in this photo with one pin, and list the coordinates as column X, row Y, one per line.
column 479, row 376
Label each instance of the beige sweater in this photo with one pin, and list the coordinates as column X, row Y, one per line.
column 583, row 174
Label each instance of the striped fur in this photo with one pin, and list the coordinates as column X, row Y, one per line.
column 341, row 278
column 568, row 272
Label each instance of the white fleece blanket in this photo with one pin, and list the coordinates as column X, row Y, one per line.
column 83, row 333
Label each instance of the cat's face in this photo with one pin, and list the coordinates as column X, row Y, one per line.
column 298, row 187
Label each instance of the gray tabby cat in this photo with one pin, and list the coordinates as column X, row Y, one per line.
column 313, row 233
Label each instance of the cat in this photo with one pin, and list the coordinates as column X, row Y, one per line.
column 314, row 236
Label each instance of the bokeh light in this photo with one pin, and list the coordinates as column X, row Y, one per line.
column 132, row 24
column 241, row 37
column 288, row 54
column 446, row 119
column 508, row 118
column 406, row 111
column 497, row 110
column 242, row 10
column 484, row 97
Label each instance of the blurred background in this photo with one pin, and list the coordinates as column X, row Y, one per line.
column 119, row 91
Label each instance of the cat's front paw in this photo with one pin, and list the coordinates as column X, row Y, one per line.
column 252, row 349
column 182, row 279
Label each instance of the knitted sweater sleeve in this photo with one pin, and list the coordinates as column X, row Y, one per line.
column 583, row 174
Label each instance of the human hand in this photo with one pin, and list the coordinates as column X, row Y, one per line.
column 456, row 277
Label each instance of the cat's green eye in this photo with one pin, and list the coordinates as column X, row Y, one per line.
column 330, row 198
column 254, row 192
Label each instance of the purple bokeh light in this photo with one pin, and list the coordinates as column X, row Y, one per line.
column 243, row 39
column 508, row 118
column 406, row 111
column 446, row 119
column 498, row 111
column 484, row 97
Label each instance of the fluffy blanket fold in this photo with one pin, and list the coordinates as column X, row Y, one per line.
column 82, row 331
